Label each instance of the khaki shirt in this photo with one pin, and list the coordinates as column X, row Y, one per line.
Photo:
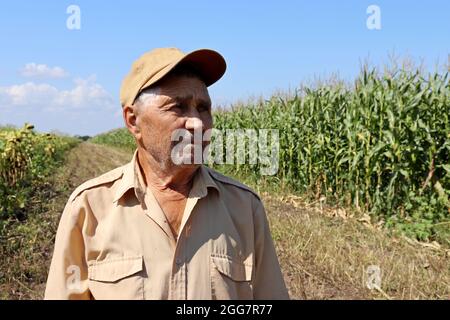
column 114, row 242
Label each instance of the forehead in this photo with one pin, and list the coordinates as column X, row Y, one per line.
column 183, row 87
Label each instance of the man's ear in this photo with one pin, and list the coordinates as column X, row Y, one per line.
column 131, row 121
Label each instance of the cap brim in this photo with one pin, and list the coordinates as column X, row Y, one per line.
column 208, row 64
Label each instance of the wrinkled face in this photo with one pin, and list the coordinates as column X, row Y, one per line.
column 170, row 115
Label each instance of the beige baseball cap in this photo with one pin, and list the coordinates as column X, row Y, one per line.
column 154, row 65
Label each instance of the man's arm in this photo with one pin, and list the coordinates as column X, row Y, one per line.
column 268, row 282
column 68, row 276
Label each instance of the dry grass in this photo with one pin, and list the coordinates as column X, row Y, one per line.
column 326, row 257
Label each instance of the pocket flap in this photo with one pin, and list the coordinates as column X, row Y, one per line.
column 233, row 268
column 114, row 269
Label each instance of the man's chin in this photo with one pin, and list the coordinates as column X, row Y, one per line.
column 190, row 157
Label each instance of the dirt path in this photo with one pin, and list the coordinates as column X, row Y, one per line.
column 89, row 160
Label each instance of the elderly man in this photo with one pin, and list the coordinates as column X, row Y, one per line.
column 153, row 229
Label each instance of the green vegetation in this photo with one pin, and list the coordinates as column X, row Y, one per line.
column 28, row 193
column 26, row 159
column 118, row 138
column 380, row 146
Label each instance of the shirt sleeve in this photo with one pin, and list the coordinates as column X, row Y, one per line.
column 268, row 281
column 68, row 276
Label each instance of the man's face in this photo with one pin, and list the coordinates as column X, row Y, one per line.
column 179, row 104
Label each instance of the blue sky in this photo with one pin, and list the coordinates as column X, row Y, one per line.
column 69, row 80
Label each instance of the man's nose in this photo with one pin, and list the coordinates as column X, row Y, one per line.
column 194, row 121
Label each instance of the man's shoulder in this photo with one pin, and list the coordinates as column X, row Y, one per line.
column 231, row 183
column 106, row 178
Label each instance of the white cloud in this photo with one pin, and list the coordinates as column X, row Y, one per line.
column 42, row 71
column 85, row 107
column 85, row 94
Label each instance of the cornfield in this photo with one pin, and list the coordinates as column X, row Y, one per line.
column 380, row 146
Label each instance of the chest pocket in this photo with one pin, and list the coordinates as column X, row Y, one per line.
column 231, row 278
column 117, row 278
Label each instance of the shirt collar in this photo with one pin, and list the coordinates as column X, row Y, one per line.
column 202, row 181
column 132, row 178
